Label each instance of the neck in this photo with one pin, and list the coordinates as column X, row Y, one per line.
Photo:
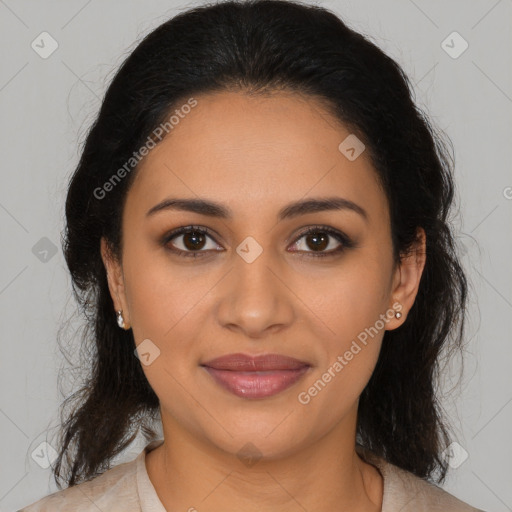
column 187, row 473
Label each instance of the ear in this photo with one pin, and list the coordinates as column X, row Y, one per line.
column 115, row 280
column 407, row 278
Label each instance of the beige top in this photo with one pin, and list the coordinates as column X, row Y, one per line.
column 127, row 488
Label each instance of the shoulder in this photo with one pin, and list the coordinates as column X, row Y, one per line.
column 114, row 490
column 407, row 492
column 416, row 494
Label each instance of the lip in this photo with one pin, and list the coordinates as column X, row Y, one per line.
column 262, row 362
column 254, row 377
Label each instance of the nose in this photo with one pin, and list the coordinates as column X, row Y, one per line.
column 255, row 299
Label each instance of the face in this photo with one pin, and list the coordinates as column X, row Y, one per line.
column 252, row 281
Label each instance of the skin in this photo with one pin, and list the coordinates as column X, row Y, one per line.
column 255, row 155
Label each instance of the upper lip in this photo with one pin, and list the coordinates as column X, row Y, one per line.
column 247, row 363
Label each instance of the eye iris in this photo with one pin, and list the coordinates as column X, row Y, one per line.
column 195, row 238
column 320, row 240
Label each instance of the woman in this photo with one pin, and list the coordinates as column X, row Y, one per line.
column 257, row 233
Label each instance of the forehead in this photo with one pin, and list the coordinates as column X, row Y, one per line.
column 256, row 152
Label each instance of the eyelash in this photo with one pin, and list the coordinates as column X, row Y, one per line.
column 346, row 242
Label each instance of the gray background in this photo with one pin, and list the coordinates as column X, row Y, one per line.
column 47, row 106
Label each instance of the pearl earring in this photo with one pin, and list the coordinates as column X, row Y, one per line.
column 120, row 319
column 398, row 314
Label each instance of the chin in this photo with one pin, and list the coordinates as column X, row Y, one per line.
column 270, row 438
column 251, row 449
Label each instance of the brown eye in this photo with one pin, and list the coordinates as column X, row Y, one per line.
column 322, row 241
column 194, row 240
column 190, row 241
column 317, row 241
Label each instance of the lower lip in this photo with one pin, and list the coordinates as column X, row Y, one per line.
column 256, row 384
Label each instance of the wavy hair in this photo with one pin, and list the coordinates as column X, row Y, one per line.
column 258, row 47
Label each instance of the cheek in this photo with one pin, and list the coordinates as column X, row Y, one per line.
column 166, row 307
column 353, row 306
column 339, row 379
column 159, row 293
column 352, row 298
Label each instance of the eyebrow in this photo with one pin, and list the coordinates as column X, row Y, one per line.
column 292, row 210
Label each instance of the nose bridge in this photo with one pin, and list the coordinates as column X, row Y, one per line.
column 255, row 276
column 256, row 298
